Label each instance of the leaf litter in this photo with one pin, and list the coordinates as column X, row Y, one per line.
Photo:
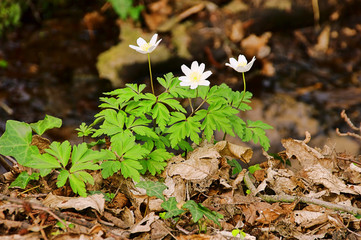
column 303, row 193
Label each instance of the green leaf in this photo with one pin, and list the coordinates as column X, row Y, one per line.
column 16, row 142
column 49, row 122
column 23, row 179
column 113, row 122
column 252, row 169
column 256, row 131
column 217, row 118
column 161, row 115
column 154, row 189
column 122, row 7
column 43, row 161
column 61, row 151
column 156, row 161
column 125, row 147
column 77, row 184
column 109, row 168
column 130, row 168
column 171, row 207
column 84, row 130
column 62, row 177
column 190, row 127
column 198, row 210
column 170, row 101
column 237, row 168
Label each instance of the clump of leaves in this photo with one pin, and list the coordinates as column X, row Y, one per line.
column 197, row 210
column 72, row 162
column 145, row 128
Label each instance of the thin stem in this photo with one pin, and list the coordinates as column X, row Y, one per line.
column 150, row 73
column 244, row 94
column 191, row 105
column 244, row 89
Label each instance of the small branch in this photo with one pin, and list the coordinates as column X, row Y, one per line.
column 355, row 135
column 348, row 121
column 307, row 200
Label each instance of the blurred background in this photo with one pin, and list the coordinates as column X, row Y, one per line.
column 57, row 57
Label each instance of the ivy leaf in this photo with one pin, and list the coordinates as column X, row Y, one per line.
column 23, row 179
column 154, row 189
column 171, row 207
column 16, row 142
column 49, row 122
column 198, row 210
column 156, row 161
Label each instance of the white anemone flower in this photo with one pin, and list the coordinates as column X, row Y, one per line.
column 241, row 65
column 195, row 76
column 145, row 47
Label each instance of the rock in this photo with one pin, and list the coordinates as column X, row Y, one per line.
column 120, row 63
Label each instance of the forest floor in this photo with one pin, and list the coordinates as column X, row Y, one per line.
column 308, row 72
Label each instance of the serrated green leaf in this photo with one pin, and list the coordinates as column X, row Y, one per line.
column 62, row 178
column 130, row 168
column 61, row 151
column 109, row 168
column 171, row 207
column 156, row 161
column 16, row 142
column 84, row 130
column 161, row 115
column 23, row 179
column 153, row 189
column 170, row 101
column 49, row 122
column 43, row 161
column 198, row 210
column 77, row 185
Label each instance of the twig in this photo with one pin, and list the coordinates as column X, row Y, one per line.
column 308, row 200
column 348, row 121
column 355, row 135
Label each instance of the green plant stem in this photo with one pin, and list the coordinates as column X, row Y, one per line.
column 244, row 94
column 244, row 90
column 150, row 73
column 191, row 105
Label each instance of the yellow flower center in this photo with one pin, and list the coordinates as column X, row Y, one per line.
column 242, row 64
column 145, row 47
column 195, row 77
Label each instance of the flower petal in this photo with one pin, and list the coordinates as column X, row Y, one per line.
column 249, row 65
column 204, row 82
column 233, row 62
column 141, row 41
column 185, row 70
column 194, row 66
column 201, row 68
column 205, row 75
column 153, row 39
column 242, row 59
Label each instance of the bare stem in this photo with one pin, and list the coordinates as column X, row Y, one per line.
column 150, row 73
